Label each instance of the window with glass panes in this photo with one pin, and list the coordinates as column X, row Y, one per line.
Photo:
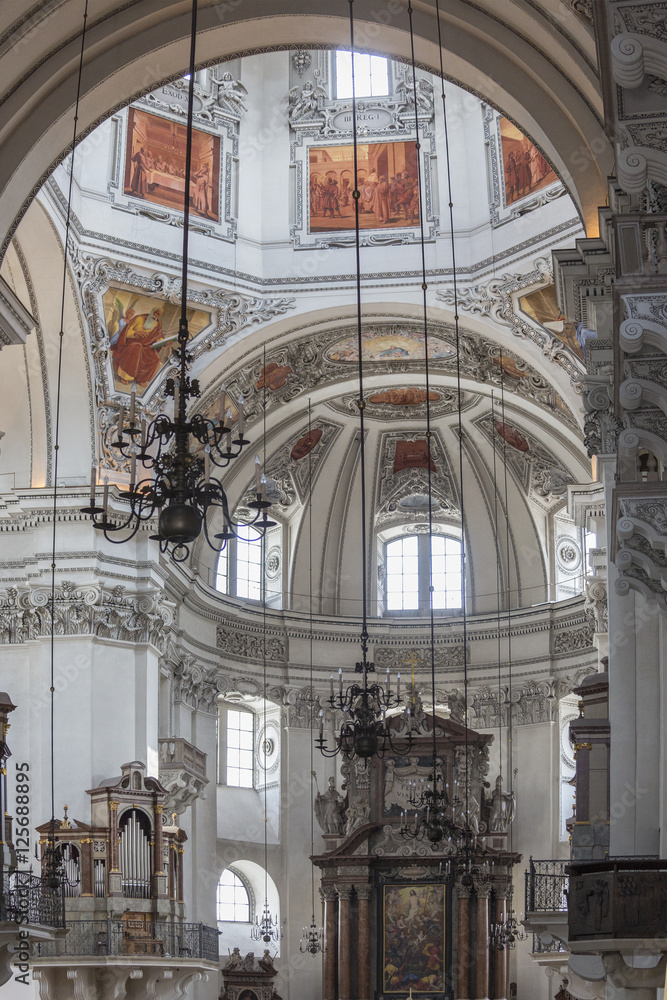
column 233, row 900
column 249, row 565
column 221, row 572
column 240, row 756
column 408, row 574
column 371, row 75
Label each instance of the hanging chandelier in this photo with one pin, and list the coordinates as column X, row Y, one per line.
column 178, row 458
column 312, row 939
column 432, row 817
column 268, row 928
column 366, row 731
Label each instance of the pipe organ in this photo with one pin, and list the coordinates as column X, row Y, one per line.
column 127, row 859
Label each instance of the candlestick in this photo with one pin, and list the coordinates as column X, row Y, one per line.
column 258, row 474
column 93, row 484
column 121, row 421
column 331, row 690
column 105, row 502
column 133, row 468
column 263, row 486
column 240, row 416
column 223, row 402
column 144, row 433
column 207, row 464
column 133, row 400
column 340, row 679
column 398, row 686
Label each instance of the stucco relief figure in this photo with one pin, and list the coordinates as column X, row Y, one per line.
column 329, row 809
column 266, row 962
column 231, row 94
column 502, row 808
column 249, row 962
column 358, row 814
column 304, row 101
column 406, row 93
column 235, row 960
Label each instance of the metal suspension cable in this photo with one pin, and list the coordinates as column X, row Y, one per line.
column 429, row 461
column 509, row 604
column 310, row 645
column 459, row 406
column 498, row 581
column 361, row 402
column 56, row 444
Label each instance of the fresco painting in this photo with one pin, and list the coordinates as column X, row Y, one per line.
column 273, row 376
column 525, row 169
column 389, row 192
column 413, row 938
column 155, row 164
column 407, row 396
column 305, row 444
column 402, row 345
column 411, row 455
column 142, row 332
column 511, row 435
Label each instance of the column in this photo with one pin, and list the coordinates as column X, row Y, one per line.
column 364, row 893
column 344, row 957
column 179, row 855
column 86, row 863
column 114, row 885
column 463, row 943
column 501, row 969
column 482, row 955
column 328, row 894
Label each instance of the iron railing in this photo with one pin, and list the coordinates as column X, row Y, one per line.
column 547, row 882
column 554, row 946
column 165, row 939
column 25, row 899
column 546, row 886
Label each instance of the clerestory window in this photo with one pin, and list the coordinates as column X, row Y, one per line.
column 371, row 75
column 408, row 574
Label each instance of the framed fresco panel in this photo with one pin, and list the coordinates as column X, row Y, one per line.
column 142, row 332
column 413, row 938
column 525, row 170
column 389, row 193
column 155, row 164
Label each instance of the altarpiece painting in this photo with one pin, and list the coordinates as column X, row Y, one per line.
column 413, row 936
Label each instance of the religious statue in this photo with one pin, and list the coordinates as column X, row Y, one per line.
column 249, row 962
column 329, row 809
column 231, row 94
column 235, row 960
column 304, row 101
column 502, row 808
column 266, row 962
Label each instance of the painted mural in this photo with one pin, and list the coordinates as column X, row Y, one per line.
column 273, row 376
column 388, row 188
column 411, row 455
column 524, row 168
column 413, row 938
column 543, row 308
column 401, row 345
column 406, row 396
column 155, row 164
column 511, row 435
column 305, row 444
column 142, row 331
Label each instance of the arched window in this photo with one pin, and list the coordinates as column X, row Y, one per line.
column 371, row 75
column 408, row 576
column 221, row 570
column 233, row 898
column 249, row 564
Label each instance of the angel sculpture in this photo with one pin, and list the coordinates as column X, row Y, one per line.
column 266, row 962
column 424, row 90
column 304, row 101
column 231, row 94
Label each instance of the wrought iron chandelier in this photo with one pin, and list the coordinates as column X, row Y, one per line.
column 365, row 731
column 432, row 818
column 268, row 928
column 179, row 454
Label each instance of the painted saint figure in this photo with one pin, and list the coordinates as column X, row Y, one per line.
column 139, row 185
column 134, row 359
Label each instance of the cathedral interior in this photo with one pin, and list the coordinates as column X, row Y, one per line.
column 333, row 329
